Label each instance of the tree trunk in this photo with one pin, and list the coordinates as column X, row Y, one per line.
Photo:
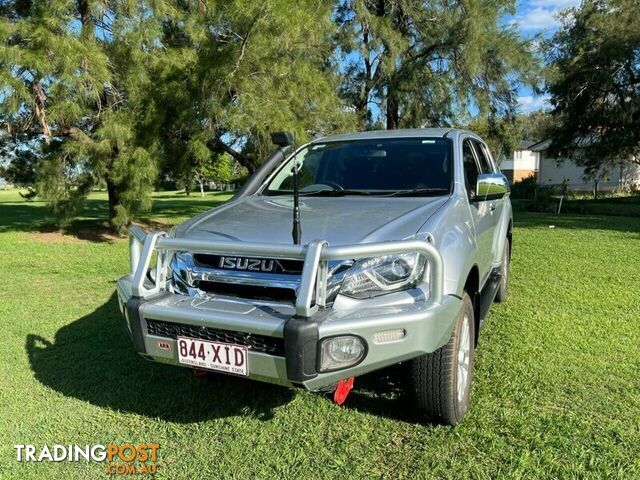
column 114, row 199
column 85, row 18
column 362, row 104
column 393, row 116
column 201, row 180
column 39, row 102
column 362, row 113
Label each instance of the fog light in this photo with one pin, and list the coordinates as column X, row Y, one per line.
column 388, row 336
column 341, row 352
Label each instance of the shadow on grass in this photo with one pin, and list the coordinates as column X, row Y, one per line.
column 24, row 217
column 383, row 393
column 91, row 224
column 92, row 360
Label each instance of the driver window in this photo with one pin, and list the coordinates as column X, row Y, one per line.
column 471, row 171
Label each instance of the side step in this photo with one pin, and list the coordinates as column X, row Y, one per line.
column 488, row 294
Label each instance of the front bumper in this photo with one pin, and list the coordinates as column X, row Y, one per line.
column 428, row 326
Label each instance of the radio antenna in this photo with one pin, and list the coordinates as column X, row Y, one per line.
column 284, row 140
column 297, row 229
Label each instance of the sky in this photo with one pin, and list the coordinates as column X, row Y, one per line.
column 535, row 17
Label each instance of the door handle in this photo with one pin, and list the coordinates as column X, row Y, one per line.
column 492, row 207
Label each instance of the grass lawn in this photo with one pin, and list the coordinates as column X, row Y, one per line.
column 556, row 392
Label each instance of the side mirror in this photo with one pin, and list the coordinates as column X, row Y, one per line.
column 282, row 139
column 491, row 186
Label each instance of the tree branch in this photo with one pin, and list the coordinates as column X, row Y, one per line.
column 420, row 55
column 218, row 146
column 243, row 46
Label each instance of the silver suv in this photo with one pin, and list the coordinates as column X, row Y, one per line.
column 350, row 254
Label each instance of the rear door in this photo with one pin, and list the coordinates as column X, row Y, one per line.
column 481, row 212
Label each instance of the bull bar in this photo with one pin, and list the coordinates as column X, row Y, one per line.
column 428, row 323
column 314, row 272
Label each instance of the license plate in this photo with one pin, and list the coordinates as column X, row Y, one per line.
column 221, row 357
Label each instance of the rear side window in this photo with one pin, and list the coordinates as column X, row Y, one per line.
column 471, row 171
column 483, row 157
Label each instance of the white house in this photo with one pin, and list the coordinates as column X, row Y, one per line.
column 524, row 164
column 558, row 170
column 530, row 158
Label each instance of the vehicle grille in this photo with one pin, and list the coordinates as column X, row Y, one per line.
column 265, row 265
column 257, row 343
column 255, row 292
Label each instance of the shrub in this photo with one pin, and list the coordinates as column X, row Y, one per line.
column 525, row 189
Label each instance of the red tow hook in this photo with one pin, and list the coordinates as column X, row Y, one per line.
column 342, row 390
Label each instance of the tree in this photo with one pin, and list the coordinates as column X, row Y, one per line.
column 75, row 78
column 19, row 169
column 223, row 171
column 122, row 90
column 504, row 133
column 500, row 132
column 595, row 84
column 236, row 71
column 426, row 63
column 535, row 126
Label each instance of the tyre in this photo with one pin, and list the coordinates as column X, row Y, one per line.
column 441, row 381
column 503, row 288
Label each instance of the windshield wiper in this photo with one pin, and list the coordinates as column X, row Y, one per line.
column 418, row 192
column 334, row 193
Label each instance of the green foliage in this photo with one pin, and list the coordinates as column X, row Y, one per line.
column 426, row 63
column 595, row 82
column 222, row 171
column 20, row 169
column 262, row 69
column 134, row 89
column 535, row 126
column 76, row 76
column 525, row 188
column 61, row 181
column 500, row 132
column 504, row 132
column 135, row 92
column 52, row 72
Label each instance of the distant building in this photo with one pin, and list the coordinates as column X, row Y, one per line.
column 530, row 158
column 524, row 164
column 558, row 170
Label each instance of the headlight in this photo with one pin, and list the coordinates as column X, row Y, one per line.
column 341, row 352
column 181, row 280
column 379, row 275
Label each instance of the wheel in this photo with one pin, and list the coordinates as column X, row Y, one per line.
column 503, row 289
column 441, row 381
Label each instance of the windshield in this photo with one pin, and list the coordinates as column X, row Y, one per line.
column 394, row 167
